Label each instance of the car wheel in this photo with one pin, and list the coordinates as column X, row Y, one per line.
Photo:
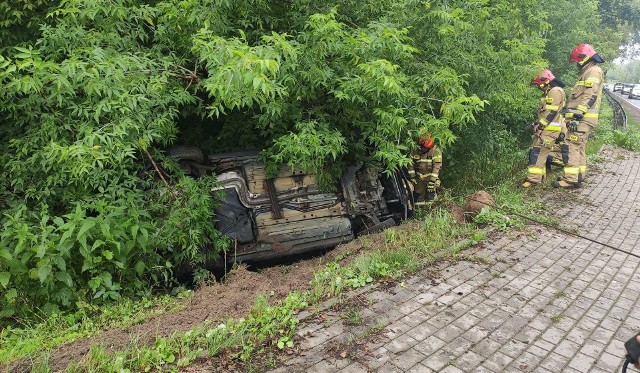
column 187, row 153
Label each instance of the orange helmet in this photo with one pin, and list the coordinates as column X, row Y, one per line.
column 582, row 53
column 544, row 78
column 426, row 141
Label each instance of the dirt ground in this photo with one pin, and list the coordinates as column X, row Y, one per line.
column 216, row 303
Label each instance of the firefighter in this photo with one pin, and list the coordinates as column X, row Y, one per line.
column 581, row 115
column 424, row 171
column 548, row 127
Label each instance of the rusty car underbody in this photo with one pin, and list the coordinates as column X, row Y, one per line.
column 286, row 215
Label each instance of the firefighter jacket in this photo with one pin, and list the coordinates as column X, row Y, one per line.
column 586, row 95
column 426, row 165
column 549, row 111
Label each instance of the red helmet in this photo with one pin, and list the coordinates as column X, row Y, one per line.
column 582, row 53
column 544, row 78
column 426, row 141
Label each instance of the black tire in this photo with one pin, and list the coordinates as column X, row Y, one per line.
column 378, row 227
column 187, row 153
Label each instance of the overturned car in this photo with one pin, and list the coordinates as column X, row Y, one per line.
column 286, row 215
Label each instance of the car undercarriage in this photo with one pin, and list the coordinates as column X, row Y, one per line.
column 286, row 215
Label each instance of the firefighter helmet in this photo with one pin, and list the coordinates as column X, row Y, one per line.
column 544, row 78
column 582, row 53
column 426, row 141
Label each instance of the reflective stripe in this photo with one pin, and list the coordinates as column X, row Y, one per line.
column 582, row 108
column 437, row 158
column 536, row 170
column 553, row 128
column 588, row 83
column 552, row 107
column 424, row 160
column 572, row 170
column 422, row 177
column 543, row 122
column 583, row 169
column 591, row 113
column 433, row 174
column 415, row 156
column 412, row 172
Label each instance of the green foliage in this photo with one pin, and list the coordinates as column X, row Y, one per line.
column 265, row 326
column 27, row 340
column 20, row 20
column 494, row 218
column 628, row 138
column 626, row 72
column 485, row 157
column 272, row 325
column 83, row 218
column 93, row 90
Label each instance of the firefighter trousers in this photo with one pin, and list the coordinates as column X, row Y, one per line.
column 574, row 153
column 542, row 146
column 426, row 188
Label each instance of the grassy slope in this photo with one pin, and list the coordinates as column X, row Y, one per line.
column 404, row 250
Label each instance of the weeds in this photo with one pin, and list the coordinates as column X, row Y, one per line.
column 88, row 320
column 353, row 316
column 403, row 250
column 559, row 293
column 495, row 219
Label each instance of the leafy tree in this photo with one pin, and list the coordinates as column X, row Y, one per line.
column 83, row 217
column 94, row 90
column 628, row 72
column 21, row 19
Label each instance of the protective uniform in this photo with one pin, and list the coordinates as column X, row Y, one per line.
column 424, row 171
column 549, row 128
column 581, row 116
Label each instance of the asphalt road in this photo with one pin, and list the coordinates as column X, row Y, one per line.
column 633, row 102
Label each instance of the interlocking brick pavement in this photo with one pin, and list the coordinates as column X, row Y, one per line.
column 548, row 302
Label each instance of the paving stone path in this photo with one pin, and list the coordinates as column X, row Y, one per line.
column 544, row 302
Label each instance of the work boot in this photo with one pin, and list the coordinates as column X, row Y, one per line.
column 581, row 178
column 525, row 184
column 565, row 184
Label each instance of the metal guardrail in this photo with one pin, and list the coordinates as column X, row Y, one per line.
column 619, row 116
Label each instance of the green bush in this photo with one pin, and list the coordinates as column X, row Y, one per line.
column 92, row 89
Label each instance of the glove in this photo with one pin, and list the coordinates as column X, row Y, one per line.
column 578, row 116
column 431, row 187
column 537, row 129
column 572, row 126
column 560, row 138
